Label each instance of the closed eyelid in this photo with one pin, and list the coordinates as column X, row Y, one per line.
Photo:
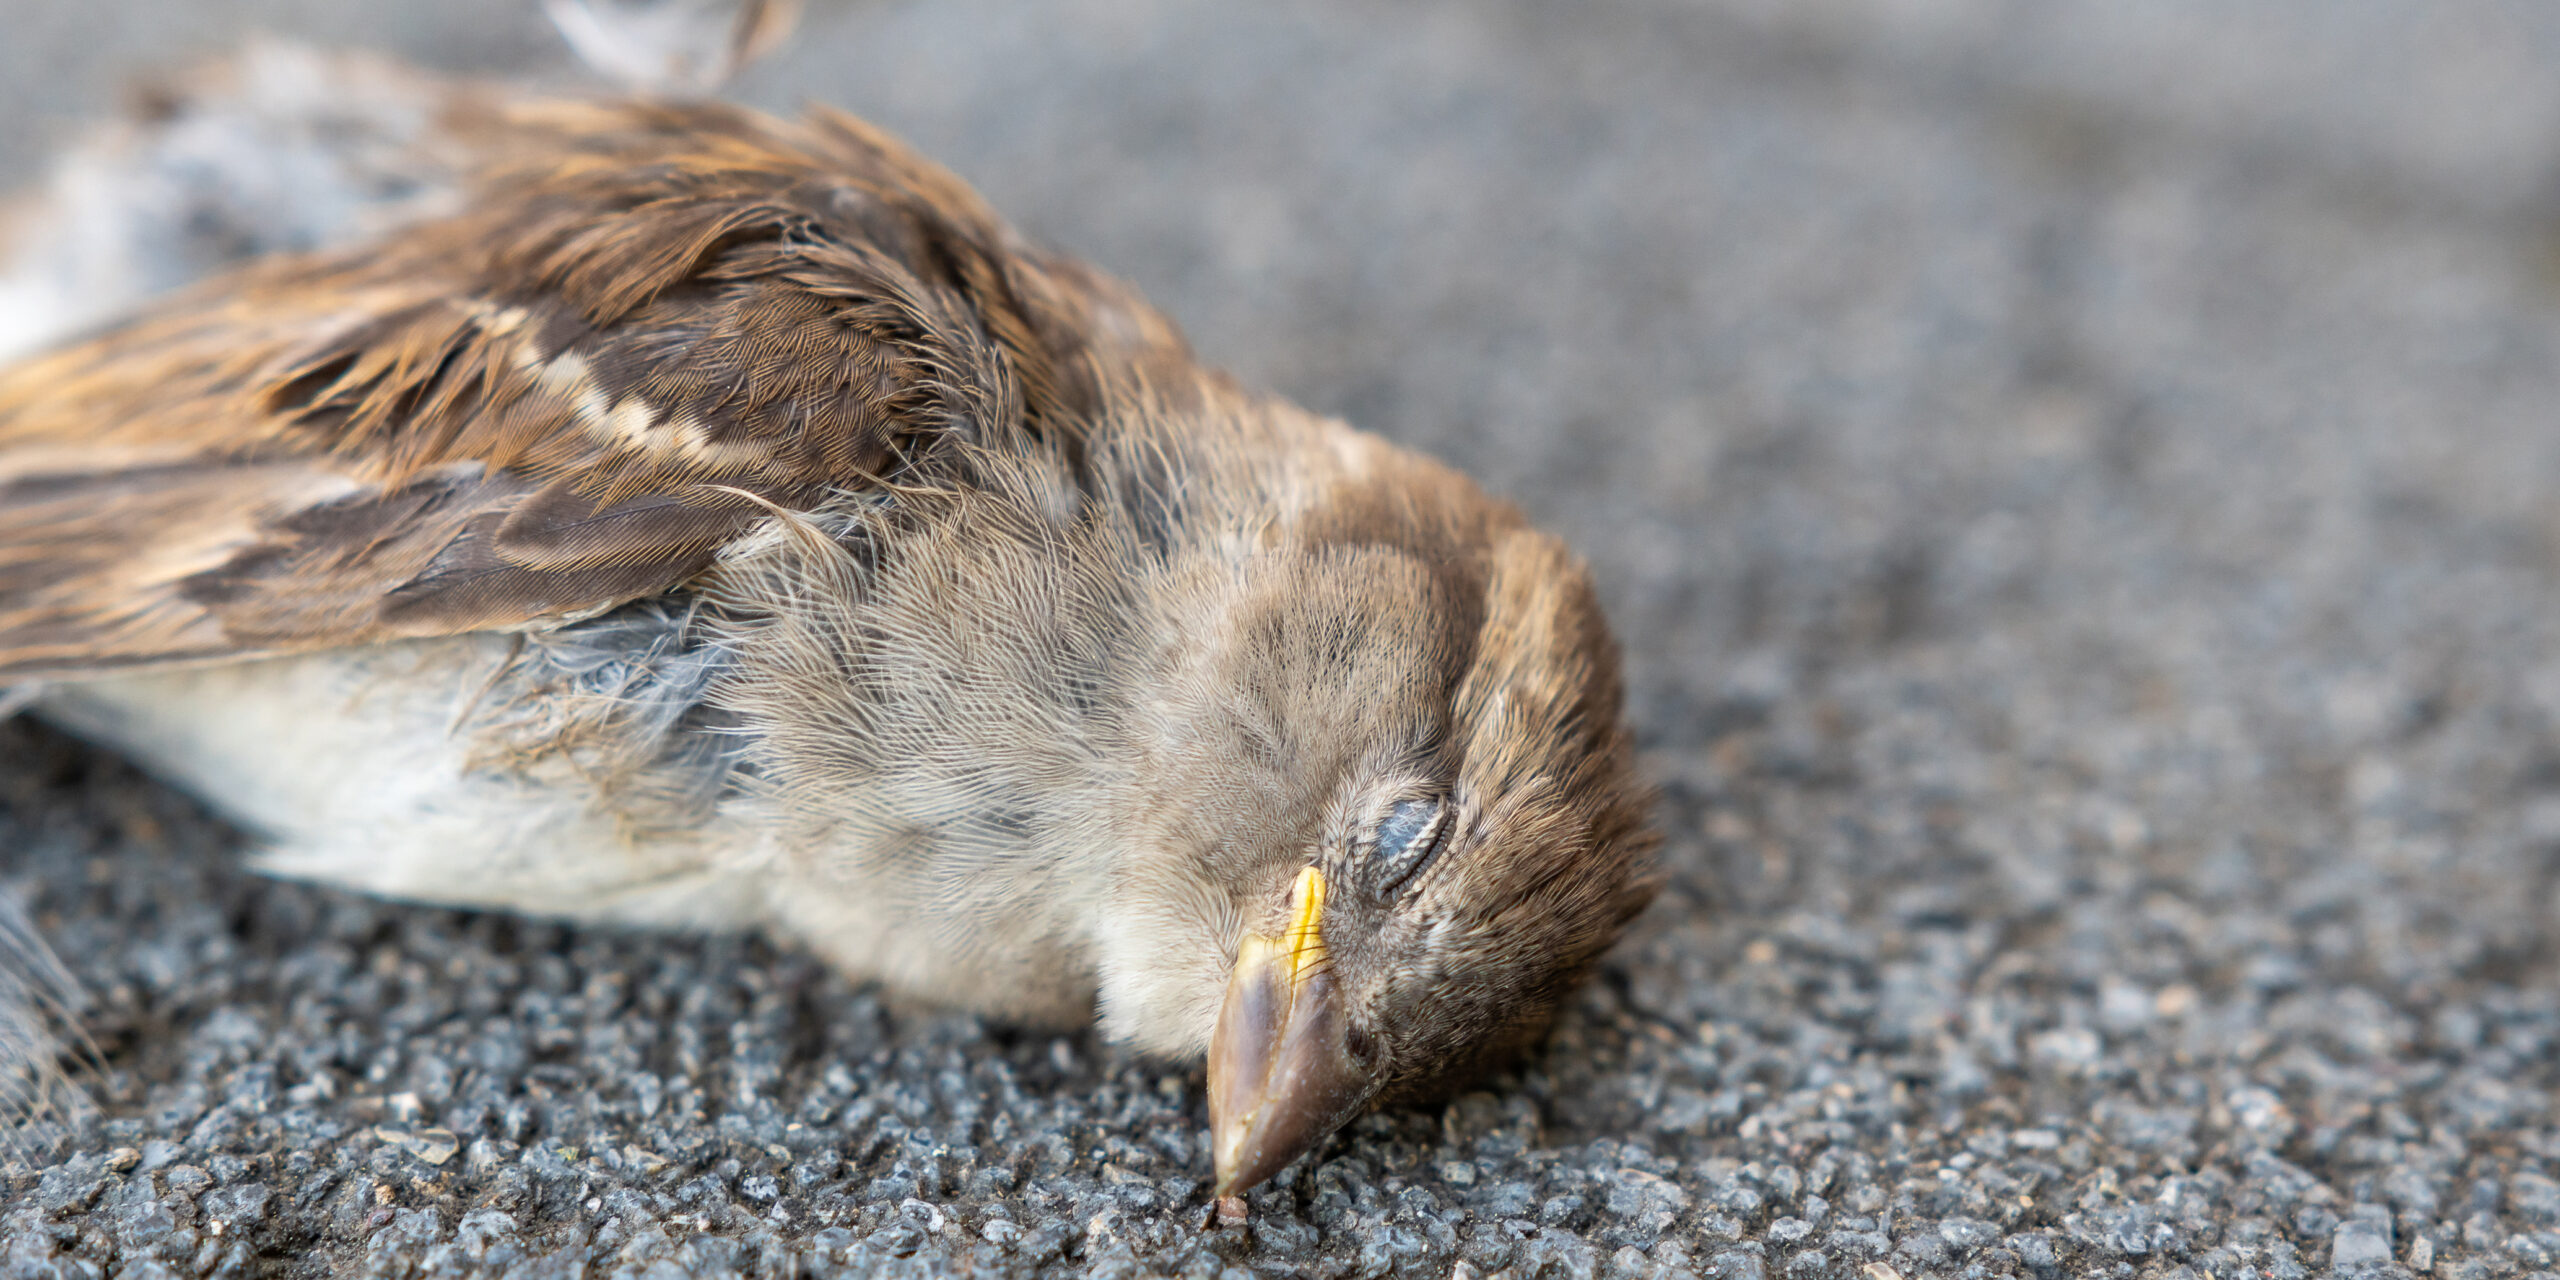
column 1407, row 838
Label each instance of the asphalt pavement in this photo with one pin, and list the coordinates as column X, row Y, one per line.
column 2074, row 481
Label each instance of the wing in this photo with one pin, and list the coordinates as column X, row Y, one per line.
column 646, row 323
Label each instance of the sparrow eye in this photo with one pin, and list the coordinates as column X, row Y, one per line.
column 1407, row 839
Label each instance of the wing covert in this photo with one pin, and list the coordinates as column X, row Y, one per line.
column 645, row 323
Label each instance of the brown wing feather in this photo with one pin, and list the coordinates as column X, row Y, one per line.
column 647, row 322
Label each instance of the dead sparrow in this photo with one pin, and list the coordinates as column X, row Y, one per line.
column 711, row 521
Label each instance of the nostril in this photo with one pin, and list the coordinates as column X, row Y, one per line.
column 1362, row 1047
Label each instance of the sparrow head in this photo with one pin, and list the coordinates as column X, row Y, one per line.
column 1438, row 696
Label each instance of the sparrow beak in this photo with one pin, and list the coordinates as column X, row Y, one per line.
column 1280, row 1078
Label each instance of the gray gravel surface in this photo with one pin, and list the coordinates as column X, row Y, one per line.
column 2073, row 481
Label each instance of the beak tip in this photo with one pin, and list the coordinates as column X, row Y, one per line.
column 1224, row 1184
column 1234, row 1177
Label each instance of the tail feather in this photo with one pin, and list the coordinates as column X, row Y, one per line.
column 41, row 1043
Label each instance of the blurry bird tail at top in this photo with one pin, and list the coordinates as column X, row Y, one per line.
column 282, row 148
column 277, row 148
column 672, row 46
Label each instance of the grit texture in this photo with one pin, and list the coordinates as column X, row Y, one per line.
column 2075, row 482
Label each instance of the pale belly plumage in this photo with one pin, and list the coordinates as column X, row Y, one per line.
column 357, row 768
column 403, row 770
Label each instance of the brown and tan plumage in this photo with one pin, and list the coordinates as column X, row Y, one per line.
column 723, row 521
column 650, row 322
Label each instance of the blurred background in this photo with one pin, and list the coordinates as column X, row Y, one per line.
column 2074, row 481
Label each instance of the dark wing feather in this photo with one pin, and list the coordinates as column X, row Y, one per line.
column 646, row 323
